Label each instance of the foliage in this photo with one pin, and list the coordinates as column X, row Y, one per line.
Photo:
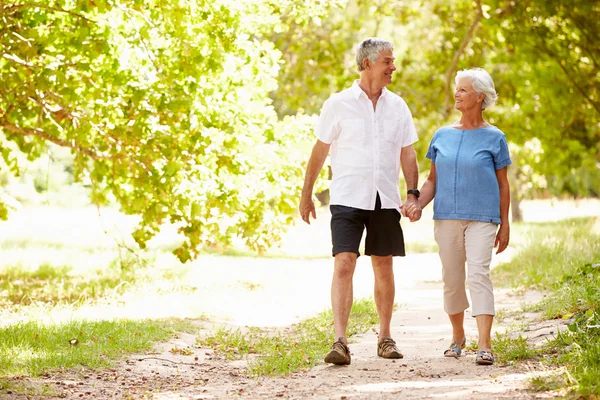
column 199, row 113
column 541, row 54
column 549, row 74
column 165, row 108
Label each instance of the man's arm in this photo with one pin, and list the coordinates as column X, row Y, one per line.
column 315, row 164
column 410, row 170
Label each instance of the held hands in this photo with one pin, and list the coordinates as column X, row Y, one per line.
column 411, row 209
column 307, row 207
column 502, row 238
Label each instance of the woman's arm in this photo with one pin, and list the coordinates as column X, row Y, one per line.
column 428, row 188
column 503, row 235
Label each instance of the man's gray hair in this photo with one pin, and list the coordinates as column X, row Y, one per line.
column 482, row 83
column 370, row 48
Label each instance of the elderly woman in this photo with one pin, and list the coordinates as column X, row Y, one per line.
column 468, row 180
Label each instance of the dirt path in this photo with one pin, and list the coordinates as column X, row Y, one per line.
column 419, row 326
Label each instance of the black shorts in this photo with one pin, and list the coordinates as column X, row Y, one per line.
column 384, row 233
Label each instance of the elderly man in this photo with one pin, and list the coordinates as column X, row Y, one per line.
column 370, row 132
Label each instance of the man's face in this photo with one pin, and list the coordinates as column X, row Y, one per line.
column 383, row 67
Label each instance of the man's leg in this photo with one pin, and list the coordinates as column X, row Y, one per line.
column 341, row 304
column 385, row 291
column 384, row 240
column 341, row 292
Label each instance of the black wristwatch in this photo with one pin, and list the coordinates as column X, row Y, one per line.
column 415, row 192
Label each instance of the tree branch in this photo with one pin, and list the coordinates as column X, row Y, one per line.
column 573, row 81
column 19, row 6
column 453, row 65
column 142, row 40
column 56, row 140
column 18, row 60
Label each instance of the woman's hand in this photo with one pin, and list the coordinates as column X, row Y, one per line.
column 502, row 238
column 411, row 209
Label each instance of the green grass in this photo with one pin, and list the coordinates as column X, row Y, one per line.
column 563, row 258
column 53, row 284
column 32, row 349
column 281, row 353
column 63, row 284
column 549, row 252
column 507, row 349
column 510, row 349
column 421, row 247
column 558, row 380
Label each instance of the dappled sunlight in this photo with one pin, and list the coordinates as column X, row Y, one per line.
column 237, row 290
column 156, row 158
column 20, row 354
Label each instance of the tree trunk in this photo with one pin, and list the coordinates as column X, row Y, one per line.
column 514, row 171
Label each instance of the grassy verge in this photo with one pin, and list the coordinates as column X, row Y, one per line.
column 302, row 347
column 53, row 284
column 32, row 349
column 564, row 258
column 549, row 252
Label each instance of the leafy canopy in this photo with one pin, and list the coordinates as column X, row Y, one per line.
column 165, row 106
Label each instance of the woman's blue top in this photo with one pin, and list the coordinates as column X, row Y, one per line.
column 466, row 186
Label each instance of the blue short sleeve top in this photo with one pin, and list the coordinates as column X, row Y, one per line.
column 466, row 186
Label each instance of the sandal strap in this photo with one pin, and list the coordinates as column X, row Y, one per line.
column 455, row 348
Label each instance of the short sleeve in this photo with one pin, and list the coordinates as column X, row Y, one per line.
column 431, row 151
column 327, row 124
column 410, row 132
column 502, row 155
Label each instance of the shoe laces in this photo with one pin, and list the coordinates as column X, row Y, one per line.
column 340, row 343
column 387, row 344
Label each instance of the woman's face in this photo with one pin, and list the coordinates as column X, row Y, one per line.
column 465, row 97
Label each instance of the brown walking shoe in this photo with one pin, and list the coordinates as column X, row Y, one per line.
column 339, row 354
column 386, row 348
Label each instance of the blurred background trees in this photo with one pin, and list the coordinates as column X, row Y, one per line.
column 200, row 113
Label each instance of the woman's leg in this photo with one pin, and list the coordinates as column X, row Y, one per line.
column 458, row 330
column 449, row 235
column 479, row 244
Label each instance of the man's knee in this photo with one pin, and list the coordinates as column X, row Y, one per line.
column 345, row 264
column 382, row 266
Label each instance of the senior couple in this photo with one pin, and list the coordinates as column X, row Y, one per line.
column 369, row 132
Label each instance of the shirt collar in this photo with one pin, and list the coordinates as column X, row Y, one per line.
column 357, row 91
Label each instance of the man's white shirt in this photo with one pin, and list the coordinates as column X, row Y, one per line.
column 365, row 146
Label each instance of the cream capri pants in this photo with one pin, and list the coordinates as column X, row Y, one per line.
column 471, row 242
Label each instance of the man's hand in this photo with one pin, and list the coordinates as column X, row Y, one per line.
column 411, row 209
column 307, row 207
column 502, row 238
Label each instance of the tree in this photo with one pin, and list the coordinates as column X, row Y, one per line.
column 164, row 106
column 549, row 53
column 542, row 55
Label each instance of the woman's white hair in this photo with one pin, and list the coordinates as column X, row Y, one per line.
column 482, row 83
column 370, row 48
